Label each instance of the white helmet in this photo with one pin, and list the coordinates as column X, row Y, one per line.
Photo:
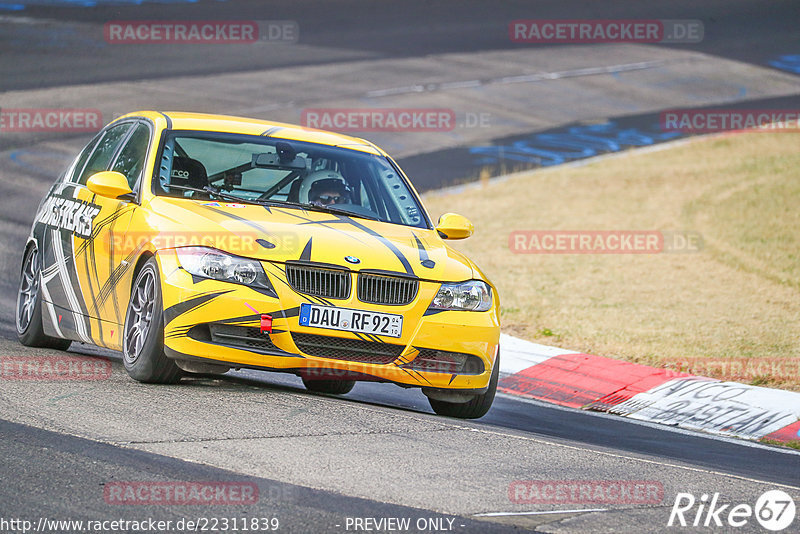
column 317, row 176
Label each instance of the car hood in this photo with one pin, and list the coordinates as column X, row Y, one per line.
column 289, row 234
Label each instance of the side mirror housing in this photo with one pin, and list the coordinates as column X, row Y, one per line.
column 110, row 184
column 454, row 226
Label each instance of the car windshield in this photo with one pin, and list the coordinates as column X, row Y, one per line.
column 211, row 166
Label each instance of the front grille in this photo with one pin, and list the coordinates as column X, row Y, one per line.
column 317, row 281
column 354, row 350
column 436, row 361
column 240, row 336
column 388, row 290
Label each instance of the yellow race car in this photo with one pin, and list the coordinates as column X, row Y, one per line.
column 200, row 243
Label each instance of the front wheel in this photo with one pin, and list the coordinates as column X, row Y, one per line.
column 474, row 409
column 29, row 306
column 143, row 335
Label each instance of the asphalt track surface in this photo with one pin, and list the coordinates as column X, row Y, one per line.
column 343, row 30
column 377, row 452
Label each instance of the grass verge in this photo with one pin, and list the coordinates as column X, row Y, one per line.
column 794, row 444
column 730, row 310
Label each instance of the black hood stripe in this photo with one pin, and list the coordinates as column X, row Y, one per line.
column 424, row 259
column 306, row 254
column 248, row 222
column 386, row 242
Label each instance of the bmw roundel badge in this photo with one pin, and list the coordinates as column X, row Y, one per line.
column 352, row 259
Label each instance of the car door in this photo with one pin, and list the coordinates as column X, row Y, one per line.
column 79, row 264
column 116, row 245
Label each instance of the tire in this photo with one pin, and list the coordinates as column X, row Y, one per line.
column 28, row 311
column 143, row 333
column 334, row 387
column 474, row 409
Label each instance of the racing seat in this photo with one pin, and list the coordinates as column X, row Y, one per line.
column 188, row 172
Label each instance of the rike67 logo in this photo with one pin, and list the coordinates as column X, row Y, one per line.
column 774, row 510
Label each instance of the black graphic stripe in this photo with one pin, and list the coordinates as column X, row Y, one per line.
column 291, row 312
column 92, row 294
column 324, row 224
column 407, row 372
column 271, row 131
column 97, row 226
column 176, row 310
column 92, row 281
column 424, row 259
column 421, row 376
column 347, row 220
column 111, row 267
column 178, row 332
column 114, row 278
column 375, row 338
column 321, row 300
column 248, row 222
column 243, row 319
column 302, row 295
column 306, row 254
column 386, row 242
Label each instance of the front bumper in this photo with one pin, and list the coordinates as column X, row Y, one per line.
column 194, row 307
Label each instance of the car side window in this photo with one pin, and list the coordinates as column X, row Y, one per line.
column 77, row 166
column 105, row 150
column 131, row 159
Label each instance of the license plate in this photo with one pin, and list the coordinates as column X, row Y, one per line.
column 363, row 322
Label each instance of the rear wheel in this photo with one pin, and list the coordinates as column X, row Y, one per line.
column 143, row 334
column 475, row 408
column 29, row 306
column 334, row 387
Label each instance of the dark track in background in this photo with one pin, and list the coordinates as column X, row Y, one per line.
column 744, row 30
column 750, row 31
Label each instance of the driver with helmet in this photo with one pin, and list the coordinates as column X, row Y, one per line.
column 323, row 188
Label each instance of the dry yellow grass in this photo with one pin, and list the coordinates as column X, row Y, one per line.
column 737, row 300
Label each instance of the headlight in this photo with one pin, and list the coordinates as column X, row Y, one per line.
column 217, row 265
column 472, row 295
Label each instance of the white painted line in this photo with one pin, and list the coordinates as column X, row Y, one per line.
column 524, row 78
column 461, row 85
column 10, row 19
column 503, row 514
column 396, row 91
